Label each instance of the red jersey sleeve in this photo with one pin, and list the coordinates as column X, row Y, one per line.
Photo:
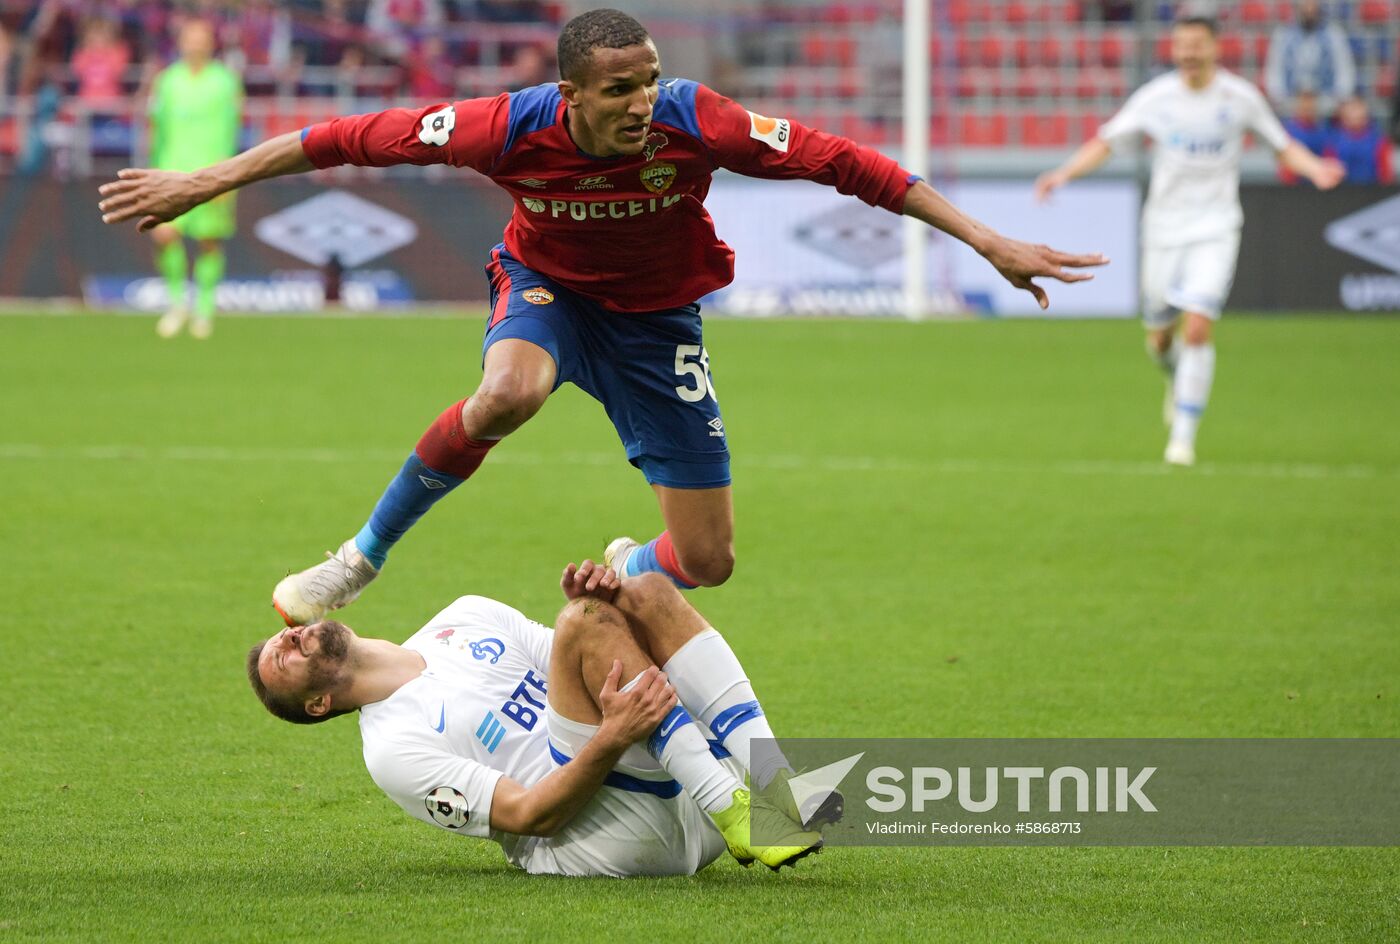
column 468, row 133
column 780, row 149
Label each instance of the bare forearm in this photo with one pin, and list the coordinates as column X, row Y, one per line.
column 926, row 204
column 548, row 806
column 1299, row 159
column 1090, row 157
column 275, row 157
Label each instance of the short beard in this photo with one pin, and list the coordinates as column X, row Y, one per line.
column 326, row 667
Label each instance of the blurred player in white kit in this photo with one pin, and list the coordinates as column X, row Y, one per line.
column 1196, row 116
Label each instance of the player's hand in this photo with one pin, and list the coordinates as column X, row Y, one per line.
column 1330, row 172
column 154, row 196
column 634, row 714
column 1020, row 262
column 1047, row 183
column 590, row 580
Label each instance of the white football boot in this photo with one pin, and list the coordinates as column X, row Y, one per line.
column 1180, row 453
column 172, row 321
column 201, row 328
column 617, row 552
column 305, row 598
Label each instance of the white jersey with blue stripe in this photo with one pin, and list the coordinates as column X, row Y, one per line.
column 1198, row 136
column 439, row 744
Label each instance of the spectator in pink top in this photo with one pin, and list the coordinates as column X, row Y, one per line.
column 101, row 59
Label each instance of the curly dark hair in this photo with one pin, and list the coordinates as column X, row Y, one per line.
column 608, row 29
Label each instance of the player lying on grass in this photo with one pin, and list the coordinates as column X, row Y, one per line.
column 1197, row 116
column 597, row 278
column 490, row 725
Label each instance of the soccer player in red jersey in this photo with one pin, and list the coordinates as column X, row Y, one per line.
column 596, row 279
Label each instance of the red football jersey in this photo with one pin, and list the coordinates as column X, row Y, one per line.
column 631, row 232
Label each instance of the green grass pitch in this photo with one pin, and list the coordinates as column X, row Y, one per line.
column 943, row 530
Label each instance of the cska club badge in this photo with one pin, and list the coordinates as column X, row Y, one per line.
column 658, row 177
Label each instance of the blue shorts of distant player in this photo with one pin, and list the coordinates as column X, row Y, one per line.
column 650, row 370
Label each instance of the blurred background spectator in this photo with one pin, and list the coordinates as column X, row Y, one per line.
column 1010, row 77
column 100, row 61
column 1357, row 141
column 397, row 24
column 1307, row 126
column 1311, row 54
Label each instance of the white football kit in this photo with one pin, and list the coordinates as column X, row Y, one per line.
column 1191, row 222
column 478, row 712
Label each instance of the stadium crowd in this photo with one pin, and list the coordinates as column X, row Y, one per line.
column 99, row 51
column 1007, row 73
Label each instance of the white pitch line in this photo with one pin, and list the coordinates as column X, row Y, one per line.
column 1090, row 468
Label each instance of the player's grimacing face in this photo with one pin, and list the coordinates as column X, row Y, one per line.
column 1193, row 50
column 305, row 658
column 610, row 106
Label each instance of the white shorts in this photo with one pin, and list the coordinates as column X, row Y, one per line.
column 1194, row 277
column 639, row 823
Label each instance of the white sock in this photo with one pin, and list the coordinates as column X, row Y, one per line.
column 683, row 752
column 1194, row 375
column 1167, row 360
column 711, row 683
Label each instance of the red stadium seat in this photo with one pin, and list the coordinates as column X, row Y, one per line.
column 1016, row 12
column 1256, row 11
column 1385, row 82
column 1113, row 48
column 1050, row 130
column 960, row 11
column 1037, row 83
column 1099, row 83
column 816, row 49
column 991, row 50
column 1162, row 51
column 974, row 83
column 1378, row 11
column 1088, row 126
column 1231, row 50
column 1261, row 48
column 1046, row 50
column 982, row 130
column 844, row 52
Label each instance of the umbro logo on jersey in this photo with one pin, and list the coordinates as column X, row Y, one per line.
column 537, row 296
column 716, row 426
column 432, row 484
column 437, row 127
column 593, row 183
column 534, row 182
column 490, row 732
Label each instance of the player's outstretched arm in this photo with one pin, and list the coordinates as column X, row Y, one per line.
column 1017, row 262
column 1090, row 157
column 628, row 717
column 158, row 196
column 1324, row 172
